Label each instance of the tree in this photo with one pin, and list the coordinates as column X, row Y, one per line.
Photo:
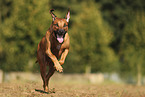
column 21, row 32
column 132, row 46
column 5, row 9
column 90, row 39
column 120, row 16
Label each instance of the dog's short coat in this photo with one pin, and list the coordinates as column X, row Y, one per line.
column 52, row 47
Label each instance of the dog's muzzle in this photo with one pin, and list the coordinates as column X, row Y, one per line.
column 60, row 34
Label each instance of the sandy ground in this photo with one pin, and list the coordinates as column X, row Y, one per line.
column 34, row 89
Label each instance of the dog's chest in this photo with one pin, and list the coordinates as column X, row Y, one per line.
column 57, row 50
column 58, row 46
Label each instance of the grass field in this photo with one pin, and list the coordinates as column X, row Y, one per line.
column 34, row 89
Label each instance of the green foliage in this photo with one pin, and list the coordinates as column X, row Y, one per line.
column 126, row 18
column 20, row 34
column 90, row 41
column 132, row 43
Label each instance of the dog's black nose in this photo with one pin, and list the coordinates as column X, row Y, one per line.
column 61, row 31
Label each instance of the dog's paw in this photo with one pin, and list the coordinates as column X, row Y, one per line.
column 46, row 89
column 58, row 68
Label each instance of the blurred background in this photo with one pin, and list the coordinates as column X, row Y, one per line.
column 107, row 36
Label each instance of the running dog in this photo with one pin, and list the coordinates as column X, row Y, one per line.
column 53, row 48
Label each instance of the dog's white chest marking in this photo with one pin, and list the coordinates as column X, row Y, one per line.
column 58, row 46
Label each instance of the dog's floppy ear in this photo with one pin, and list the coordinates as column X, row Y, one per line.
column 52, row 14
column 67, row 17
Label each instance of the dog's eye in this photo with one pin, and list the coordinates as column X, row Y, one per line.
column 56, row 25
column 64, row 25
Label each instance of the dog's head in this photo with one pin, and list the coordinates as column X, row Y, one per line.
column 60, row 26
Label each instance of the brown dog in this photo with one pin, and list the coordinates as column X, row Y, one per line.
column 53, row 46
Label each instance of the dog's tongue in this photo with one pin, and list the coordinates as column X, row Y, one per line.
column 60, row 38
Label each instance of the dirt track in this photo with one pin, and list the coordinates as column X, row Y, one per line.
column 34, row 89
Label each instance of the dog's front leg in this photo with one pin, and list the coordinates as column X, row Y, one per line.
column 63, row 56
column 54, row 59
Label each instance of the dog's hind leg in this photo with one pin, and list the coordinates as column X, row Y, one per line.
column 50, row 73
column 43, row 75
column 42, row 62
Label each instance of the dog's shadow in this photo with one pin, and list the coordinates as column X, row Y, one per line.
column 50, row 91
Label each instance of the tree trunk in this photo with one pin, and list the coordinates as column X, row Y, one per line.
column 88, row 69
column 139, row 75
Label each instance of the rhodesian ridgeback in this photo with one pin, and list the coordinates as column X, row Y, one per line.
column 53, row 48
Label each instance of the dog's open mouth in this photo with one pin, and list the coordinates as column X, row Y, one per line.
column 60, row 38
